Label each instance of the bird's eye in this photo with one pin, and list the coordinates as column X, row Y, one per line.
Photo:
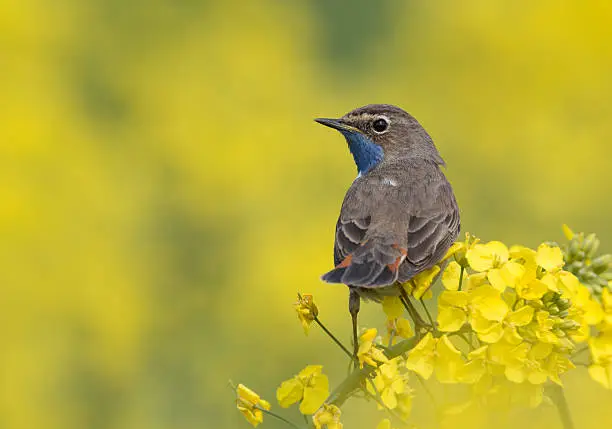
column 380, row 125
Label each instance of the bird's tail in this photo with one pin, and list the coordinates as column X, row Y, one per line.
column 373, row 264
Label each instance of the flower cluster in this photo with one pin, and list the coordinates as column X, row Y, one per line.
column 514, row 305
column 509, row 321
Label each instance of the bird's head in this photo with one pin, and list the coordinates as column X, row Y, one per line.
column 382, row 133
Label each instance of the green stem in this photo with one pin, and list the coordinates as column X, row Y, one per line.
column 332, row 336
column 558, row 398
column 461, row 277
column 428, row 314
column 414, row 314
column 282, row 419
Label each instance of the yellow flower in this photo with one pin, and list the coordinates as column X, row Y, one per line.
column 310, row 386
column 250, row 404
column 483, row 257
column 549, row 258
column 491, row 331
column 422, row 356
column 475, row 367
column 328, row 416
column 421, row 283
column 399, row 327
column 521, row 364
column 436, row 353
column 368, row 352
column 460, row 248
column 448, row 361
column 306, row 310
column 487, row 301
column 389, row 383
column 544, row 328
column 601, row 351
column 452, row 310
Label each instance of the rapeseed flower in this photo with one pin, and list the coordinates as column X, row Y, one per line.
column 368, row 352
column 389, row 383
column 328, row 416
column 250, row 405
column 307, row 310
column 310, row 387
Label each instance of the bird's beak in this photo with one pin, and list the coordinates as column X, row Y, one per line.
column 337, row 124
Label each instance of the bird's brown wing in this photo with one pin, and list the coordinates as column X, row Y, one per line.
column 386, row 236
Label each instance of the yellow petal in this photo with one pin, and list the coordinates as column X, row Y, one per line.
column 404, row 329
column 423, row 280
column 569, row 234
column 453, row 249
column 540, row 351
column 511, row 272
column 499, row 250
column 289, row 392
column 549, row 258
column 489, row 303
column 533, row 290
column 551, row 281
column 310, row 370
column 451, row 319
column 315, row 395
column 569, row 282
column 493, row 334
column 247, row 394
column 448, row 361
column 389, row 399
column 601, row 375
column 521, row 317
column 496, row 279
column 471, row 372
column 480, row 258
column 369, row 335
column 421, row 358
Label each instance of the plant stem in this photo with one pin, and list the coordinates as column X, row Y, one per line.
column 461, row 277
column 558, row 398
column 428, row 314
column 282, row 419
column 328, row 332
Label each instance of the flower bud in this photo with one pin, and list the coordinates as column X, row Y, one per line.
column 574, row 248
column 601, row 263
column 591, row 244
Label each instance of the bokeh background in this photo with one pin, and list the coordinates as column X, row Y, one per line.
column 164, row 192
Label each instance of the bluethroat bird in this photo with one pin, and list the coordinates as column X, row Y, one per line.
column 399, row 216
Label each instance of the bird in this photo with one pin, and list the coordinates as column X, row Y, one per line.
column 399, row 217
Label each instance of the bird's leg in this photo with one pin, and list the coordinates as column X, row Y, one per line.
column 419, row 323
column 354, row 305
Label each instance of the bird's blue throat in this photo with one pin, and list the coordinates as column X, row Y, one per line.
column 366, row 153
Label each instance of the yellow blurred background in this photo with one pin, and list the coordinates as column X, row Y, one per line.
column 165, row 192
